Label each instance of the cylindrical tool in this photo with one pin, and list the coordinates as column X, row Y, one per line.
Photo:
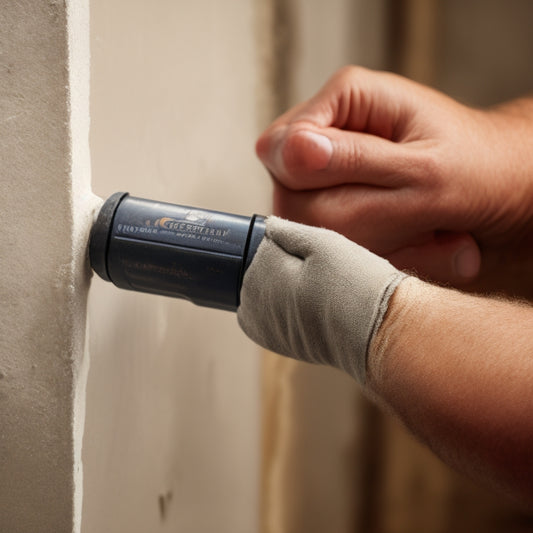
column 174, row 250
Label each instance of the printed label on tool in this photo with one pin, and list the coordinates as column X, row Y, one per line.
column 182, row 229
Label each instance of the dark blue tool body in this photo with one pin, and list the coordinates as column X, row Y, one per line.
column 174, row 250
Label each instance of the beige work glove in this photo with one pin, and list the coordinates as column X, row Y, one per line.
column 314, row 295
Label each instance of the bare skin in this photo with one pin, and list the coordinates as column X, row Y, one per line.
column 412, row 175
column 446, row 191
column 458, row 371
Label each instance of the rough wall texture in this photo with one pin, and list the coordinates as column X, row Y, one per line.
column 172, row 430
column 44, row 215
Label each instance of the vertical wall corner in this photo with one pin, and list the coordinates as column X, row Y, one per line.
column 45, row 212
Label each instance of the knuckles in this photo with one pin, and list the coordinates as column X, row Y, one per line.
column 347, row 74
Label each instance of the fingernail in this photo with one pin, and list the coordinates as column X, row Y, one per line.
column 467, row 262
column 303, row 150
column 319, row 149
column 276, row 162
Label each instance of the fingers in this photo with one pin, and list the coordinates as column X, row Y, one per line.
column 388, row 225
column 379, row 219
column 352, row 131
column 295, row 239
column 451, row 257
column 303, row 157
column 364, row 158
column 358, row 99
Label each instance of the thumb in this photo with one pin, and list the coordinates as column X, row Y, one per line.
column 302, row 157
column 449, row 257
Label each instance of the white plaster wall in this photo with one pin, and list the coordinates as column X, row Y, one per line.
column 45, row 209
column 330, row 35
column 172, row 429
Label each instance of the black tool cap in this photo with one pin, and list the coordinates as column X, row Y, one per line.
column 101, row 233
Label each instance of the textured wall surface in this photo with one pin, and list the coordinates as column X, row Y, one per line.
column 172, row 430
column 44, row 215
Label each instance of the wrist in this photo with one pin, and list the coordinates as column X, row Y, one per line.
column 509, row 149
column 392, row 333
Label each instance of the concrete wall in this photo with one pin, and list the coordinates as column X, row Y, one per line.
column 172, row 430
column 44, row 216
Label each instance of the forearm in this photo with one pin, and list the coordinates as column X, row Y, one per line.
column 458, row 370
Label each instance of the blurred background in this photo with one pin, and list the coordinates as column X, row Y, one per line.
column 190, row 427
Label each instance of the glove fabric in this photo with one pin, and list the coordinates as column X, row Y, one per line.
column 313, row 295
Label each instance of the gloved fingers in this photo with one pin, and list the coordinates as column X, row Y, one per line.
column 283, row 267
column 312, row 294
column 268, row 292
column 295, row 239
column 448, row 257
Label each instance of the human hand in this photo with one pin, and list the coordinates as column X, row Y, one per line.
column 313, row 295
column 408, row 173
